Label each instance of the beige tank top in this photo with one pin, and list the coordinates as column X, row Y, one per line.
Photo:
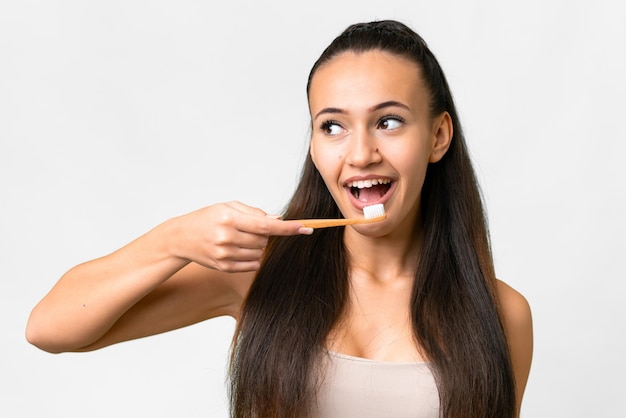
column 358, row 387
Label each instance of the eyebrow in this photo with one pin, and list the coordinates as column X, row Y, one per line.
column 336, row 110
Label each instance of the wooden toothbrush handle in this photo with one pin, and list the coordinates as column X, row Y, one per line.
column 326, row 223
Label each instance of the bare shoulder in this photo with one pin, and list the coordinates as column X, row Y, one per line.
column 518, row 326
column 514, row 307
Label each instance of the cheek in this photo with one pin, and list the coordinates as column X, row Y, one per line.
column 329, row 164
column 411, row 163
column 325, row 157
column 323, row 161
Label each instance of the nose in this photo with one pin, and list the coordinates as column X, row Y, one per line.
column 363, row 149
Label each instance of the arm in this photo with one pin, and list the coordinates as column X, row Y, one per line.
column 188, row 269
column 518, row 327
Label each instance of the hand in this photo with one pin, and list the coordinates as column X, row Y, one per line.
column 229, row 237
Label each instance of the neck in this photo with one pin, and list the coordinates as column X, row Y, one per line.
column 383, row 259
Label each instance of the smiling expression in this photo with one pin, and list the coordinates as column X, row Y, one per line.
column 373, row 135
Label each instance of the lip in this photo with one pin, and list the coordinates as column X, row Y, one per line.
column 360, row 205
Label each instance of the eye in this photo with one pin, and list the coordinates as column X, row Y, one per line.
column 390, row 122
column 331, row 128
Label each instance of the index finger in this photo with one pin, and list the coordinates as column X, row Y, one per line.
column 267, row 225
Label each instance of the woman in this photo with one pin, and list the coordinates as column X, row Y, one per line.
column 331, row 321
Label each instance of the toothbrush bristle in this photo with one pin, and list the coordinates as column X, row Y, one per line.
column 374, row 211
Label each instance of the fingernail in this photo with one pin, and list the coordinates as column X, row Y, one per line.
column 305, row 231
column 274, row 216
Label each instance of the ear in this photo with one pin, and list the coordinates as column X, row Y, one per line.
column 442, row 136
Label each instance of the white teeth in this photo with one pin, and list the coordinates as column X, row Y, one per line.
column 363, row 184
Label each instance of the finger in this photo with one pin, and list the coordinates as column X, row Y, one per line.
column 238, row 266
column 246, row 266
column 249, row 240
column 245, row 254
column 269, row 226
column 225, row 256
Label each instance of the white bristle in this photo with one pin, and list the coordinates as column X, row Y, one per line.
column 374, row 211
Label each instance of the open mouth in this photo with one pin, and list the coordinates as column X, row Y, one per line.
column 370, row 190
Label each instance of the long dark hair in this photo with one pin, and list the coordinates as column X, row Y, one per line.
column 301, row 289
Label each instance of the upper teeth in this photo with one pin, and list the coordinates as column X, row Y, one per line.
column 361, row 184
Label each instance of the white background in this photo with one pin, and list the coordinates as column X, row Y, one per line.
column 117, row 115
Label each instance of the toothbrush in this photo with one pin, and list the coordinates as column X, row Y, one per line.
column 373, row 213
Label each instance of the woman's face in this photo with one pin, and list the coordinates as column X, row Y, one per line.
column 373, row 135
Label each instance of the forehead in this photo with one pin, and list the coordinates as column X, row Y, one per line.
column 359, row 80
